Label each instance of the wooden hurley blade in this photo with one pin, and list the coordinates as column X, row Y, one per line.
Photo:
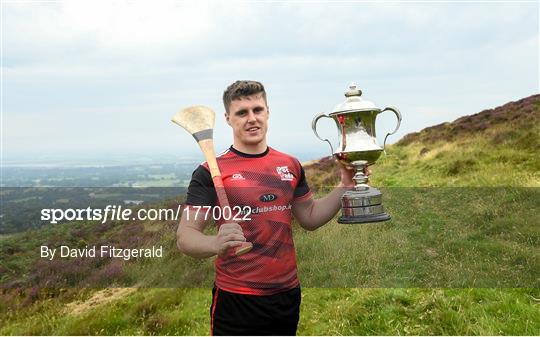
column 195, row 119
column 199, row 120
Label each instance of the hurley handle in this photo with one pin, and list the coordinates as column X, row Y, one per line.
column 207, row 147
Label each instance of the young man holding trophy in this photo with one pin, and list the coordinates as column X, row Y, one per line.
column 256, row 291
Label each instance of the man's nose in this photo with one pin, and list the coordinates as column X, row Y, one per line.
column 251, row 117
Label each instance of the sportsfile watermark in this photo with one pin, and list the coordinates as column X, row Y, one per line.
column 123, row 213
column 227, row 213
column 50, row 253
column 110, row 212
column 235, row 213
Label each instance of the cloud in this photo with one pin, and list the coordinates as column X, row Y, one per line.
column 115, row 28
column 184, row 30
column 147, row 59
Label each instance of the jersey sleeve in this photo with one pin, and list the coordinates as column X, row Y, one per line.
column 302, row 189
column 201, row 190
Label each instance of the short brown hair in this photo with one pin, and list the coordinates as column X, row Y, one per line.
column 241, row 89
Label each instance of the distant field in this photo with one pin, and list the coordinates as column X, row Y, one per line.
column 162, row 182
column 97, row 175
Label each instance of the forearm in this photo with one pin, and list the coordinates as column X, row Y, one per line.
column 196, row 244
column 324, row 209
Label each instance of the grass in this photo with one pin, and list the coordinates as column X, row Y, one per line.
column 452, row 238
column 142, row 312
column 420, row 312
column 474, row 161
column 404, row 311
column 459, row 257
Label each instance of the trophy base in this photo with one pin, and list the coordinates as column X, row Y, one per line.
column 364, row 219
column 363, row 205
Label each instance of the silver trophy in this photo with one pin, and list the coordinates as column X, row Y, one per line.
column 358, row 148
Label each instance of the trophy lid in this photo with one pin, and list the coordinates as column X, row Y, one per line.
column 353, row 102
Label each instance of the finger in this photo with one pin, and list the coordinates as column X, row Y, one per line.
column 237, row 226
column 231, row 225
column 232, row 244
column 226, row 232
column 238, row 233
column 234, row 237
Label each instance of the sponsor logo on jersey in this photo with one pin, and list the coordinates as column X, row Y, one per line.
column 268, row 197
column 284, row 173
column 272, row 208
column 238, row 176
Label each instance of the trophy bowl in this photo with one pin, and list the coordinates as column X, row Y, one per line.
column 358, row 148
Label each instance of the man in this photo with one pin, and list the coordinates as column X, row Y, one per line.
column 256, row 293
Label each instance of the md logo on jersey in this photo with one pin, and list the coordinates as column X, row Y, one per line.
column 268, row 197
column 284, row 173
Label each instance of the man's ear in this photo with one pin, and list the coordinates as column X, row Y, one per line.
column 227, row 118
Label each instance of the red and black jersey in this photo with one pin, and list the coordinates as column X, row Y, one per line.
column 268, row 183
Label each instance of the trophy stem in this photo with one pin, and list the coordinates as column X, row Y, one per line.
column 359, row 177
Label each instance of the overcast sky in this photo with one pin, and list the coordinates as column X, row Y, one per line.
column 105, row 77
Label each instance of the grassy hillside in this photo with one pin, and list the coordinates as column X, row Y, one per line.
column 459, row 257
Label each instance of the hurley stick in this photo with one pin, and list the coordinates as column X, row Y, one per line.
column 199, row 121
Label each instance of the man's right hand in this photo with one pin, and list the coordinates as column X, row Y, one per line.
column 230, row 235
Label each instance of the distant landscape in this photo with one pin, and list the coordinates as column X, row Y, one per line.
column 26, row 189
column 137, row 175
column 461, row 255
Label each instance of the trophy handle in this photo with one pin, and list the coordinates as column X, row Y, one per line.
column 314, row 128
column 398, row 115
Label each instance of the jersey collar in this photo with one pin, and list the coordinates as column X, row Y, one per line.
column 249, row 155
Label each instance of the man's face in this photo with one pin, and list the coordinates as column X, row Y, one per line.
column 248, row 116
